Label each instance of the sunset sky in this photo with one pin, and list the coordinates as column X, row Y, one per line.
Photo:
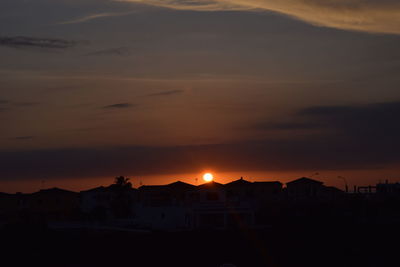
column 160, row 90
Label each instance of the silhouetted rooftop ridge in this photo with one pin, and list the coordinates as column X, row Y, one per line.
column 181, row 184
column 239, row 182
column 210, row 184
column 305, row 180
column 54, row 190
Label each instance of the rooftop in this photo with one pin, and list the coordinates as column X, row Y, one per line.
column 304, row 180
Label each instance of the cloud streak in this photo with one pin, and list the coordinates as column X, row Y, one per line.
column 166, row 93
column 119, row 106
column 376, row 16
column 32, row 42
column 22, row 138
column 96, row 16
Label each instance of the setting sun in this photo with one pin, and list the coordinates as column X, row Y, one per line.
column 208, row 177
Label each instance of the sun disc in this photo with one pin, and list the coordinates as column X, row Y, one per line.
column 208, row 177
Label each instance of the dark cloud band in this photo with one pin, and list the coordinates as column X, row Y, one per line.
column 32, row 42
column 354, row 137
column 119, row 106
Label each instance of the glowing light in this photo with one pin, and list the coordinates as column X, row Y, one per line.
column 208, row 177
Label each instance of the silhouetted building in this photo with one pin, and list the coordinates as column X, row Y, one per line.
column 108, row 203
column 164, row 206
column 266, row 192
column 387, row 188
column 240, row 191
column 52, row 205
column 9, row 207
column 304, row 188
column 209, row 206
column 162, row 195
column 179, row 205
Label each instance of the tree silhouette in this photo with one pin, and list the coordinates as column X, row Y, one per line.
column 121, row 202
column 121, row 181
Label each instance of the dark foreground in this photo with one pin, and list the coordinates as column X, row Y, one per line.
column 289, row 245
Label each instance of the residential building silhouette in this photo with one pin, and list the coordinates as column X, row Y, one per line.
column 182, row 206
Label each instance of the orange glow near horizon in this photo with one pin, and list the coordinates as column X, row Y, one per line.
column 208, row 177
column 354, row 177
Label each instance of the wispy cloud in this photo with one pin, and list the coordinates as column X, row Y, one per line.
column 197, row 5
column 33, row 42
column 21, row 138
column 286, row 126
column 166, row 93
column 96, row 16
column 379, row 16
column 119, row 106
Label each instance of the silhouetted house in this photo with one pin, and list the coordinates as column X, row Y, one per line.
column 239, row 192
column 330, row 193
column 388, row 189
column 95, row 203
column 254, row 192
column 211, row 192
column 266, row 192
column 244, row 198
column 303, row 188
column 267, row 201
column 108, row 203
column 165, row 195
column 52, row 205
column 308, row 189
column 164, row 207
column 224, row 206
column 209, row 206
column 9, row 207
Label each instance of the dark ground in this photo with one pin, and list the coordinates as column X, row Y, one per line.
column 289, row 245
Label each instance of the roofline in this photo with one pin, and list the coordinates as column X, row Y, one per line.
column 305, row 178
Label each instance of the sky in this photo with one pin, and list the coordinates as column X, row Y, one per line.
column 161, row 90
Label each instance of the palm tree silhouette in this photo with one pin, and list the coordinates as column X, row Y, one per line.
column 122, row 182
